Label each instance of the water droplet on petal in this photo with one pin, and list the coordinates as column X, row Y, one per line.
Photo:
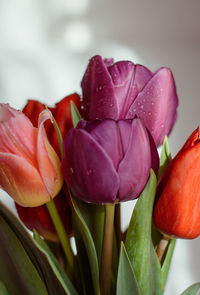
column 71, row 170
column 89, row 171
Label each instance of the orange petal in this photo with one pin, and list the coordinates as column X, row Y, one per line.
column 48, row 161
column 22, row 181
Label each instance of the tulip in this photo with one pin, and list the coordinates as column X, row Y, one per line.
column 123, row 90
column 108, row 161
column 29, row 166
column 177, row 209
column 38, row 217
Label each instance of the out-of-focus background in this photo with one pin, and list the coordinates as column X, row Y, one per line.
column 45, row 47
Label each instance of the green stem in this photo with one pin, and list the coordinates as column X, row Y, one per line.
column 63, row 237
column 106, row 256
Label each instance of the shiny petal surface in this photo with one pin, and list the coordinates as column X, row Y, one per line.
column 156, row 105
column 48, row 161
column 88, row 170
column 22, row 181
column 128, row 80
column 99, row 99
column 135, row 167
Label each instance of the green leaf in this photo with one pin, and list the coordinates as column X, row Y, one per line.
column 167, row 260
column 165, row 157
column 16, row 269
column 139, row 245
column 89, row 245
column 192, row 290
column 3, row 290
column 64, row 280
column 76, row 117
column 126, row 281
column 40, row 261
column 93, row 215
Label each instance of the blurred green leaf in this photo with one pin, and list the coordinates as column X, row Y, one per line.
column 126, row 281
column 60, row 274
column 167, row 260
column 38, row 258
column 139, row 245
column 192, row 290
column 165, row 157
column 89, row 244
column 76, row 117
column 16, row 269
column 3, row 290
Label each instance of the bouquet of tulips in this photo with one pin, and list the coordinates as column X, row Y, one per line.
column 69, row 167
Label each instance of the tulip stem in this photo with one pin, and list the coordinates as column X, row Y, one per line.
column 162, row 246
column 106, row 256
column 119, row 234
column 63, row 237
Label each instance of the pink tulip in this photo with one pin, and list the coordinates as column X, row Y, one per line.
column 29, row 166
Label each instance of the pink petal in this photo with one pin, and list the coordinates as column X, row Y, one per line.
column 156, row 105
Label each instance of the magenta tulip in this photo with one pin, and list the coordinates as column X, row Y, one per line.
column 108, row 161
column 123, row 90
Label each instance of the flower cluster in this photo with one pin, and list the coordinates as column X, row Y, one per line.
column 63, row 164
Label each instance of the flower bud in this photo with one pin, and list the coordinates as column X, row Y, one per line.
column 108, row 161
column 177, row 208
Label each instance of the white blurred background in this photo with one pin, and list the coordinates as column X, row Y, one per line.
column 45, row 47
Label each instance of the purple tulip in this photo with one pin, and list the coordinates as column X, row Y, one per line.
column 123, row 90
column 108, row 161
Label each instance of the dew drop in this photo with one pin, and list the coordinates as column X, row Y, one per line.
column 149, row 113
column 82, row 107
column 162, row 126
column 89, row 171
column 71, row 170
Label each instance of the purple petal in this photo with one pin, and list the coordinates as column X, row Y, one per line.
column 156, row 105
column 155, row 161
column 128, row 81
column 106, row 133
column 88, row 170
column 99, row 99
column 135, row 166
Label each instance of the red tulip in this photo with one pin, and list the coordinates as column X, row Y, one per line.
column 29, row 166
column 177, row 209
column 39, row 217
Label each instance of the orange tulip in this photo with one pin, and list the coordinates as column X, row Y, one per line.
column 29, row 166
column 38, row 217
column 177, row 209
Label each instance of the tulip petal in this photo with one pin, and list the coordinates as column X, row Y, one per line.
column 48, row 161
column 89, row 171
column 128, row 81
column 135, row 167
column 18, row 136
column 6, row 112
column 22, row 181
column 156, row 105
column 98, row 85
column 180, row 198
column 106, row 133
